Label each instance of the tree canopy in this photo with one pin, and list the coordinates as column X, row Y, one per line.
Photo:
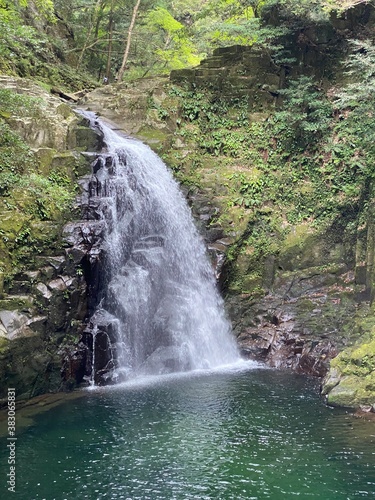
column 127, row 39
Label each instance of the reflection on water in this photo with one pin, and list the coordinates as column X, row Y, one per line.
column 227, row 435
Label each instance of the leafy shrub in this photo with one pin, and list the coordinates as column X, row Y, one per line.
column 305, row 116
column 20, row 104
column 15, row 158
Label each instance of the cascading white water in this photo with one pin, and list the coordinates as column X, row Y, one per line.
column 159, row 300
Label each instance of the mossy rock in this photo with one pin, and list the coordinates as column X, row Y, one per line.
column 5, row 261
column 353, row 391
column 305, row 247
column 3, row 345
column 86, row 139
column 12, row 222
column 154, row 137
column 70, row 164
column 44, row 233
column 65, row 164
column 353, row 370
column 358, row 360
column 30, row 366
column 14, row 303
column 300, row 249
column 65, row 111
column 45, row 157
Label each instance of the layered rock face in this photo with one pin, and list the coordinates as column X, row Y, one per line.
column 43, row 291
column 311, row 298
column 315, row 290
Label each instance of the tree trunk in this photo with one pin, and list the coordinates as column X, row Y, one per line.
column 88, row 36
column 110, row 43
column 127, row 48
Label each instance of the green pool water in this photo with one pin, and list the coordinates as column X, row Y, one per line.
column 235, row 434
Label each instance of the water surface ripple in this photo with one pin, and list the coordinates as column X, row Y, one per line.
column 234, row 434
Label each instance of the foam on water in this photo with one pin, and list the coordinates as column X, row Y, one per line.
column 143, row 381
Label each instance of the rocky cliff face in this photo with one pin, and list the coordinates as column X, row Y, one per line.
column 43, row 291
column 297, row 292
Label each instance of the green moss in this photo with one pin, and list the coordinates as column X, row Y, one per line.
column 345, row 394
column 11, row 224
column 37, row 188
column 251, row 282
column 354, row 368
column 13, row 303
column 85, row 138
column 64, row 110
column 30, row 365
column 353, row 391
column 64, row 168
column 154, row 137
column 358, row 360
column 20, row 104
column 296, row 237
column 45, row 157
column 28, row 52
column 4, row 344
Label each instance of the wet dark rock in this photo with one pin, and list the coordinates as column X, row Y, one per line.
column 98, row 340
column 42, row 310
column 73, row 366
column 298, row 325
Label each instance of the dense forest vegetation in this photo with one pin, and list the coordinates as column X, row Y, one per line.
column 121, row 39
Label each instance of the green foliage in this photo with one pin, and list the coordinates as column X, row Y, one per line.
column 167, row 34
column 48, row 198
column 313, row 9
column 349, row 153
column 306, row 114
column 11, row 11
column 161, row 19
column 15, row 158
column 174, row 49
column 228, row 22
column 354, row 105
column 20, row 104
column 45, row 8
column 340, row 5
column 28, row 51
column 250, row 188
column 45, row 198
column 361, row 71
column 308, row 162
column 16, row 46
column 27, row 197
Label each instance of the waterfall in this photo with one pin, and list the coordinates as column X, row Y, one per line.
column 158, row 309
